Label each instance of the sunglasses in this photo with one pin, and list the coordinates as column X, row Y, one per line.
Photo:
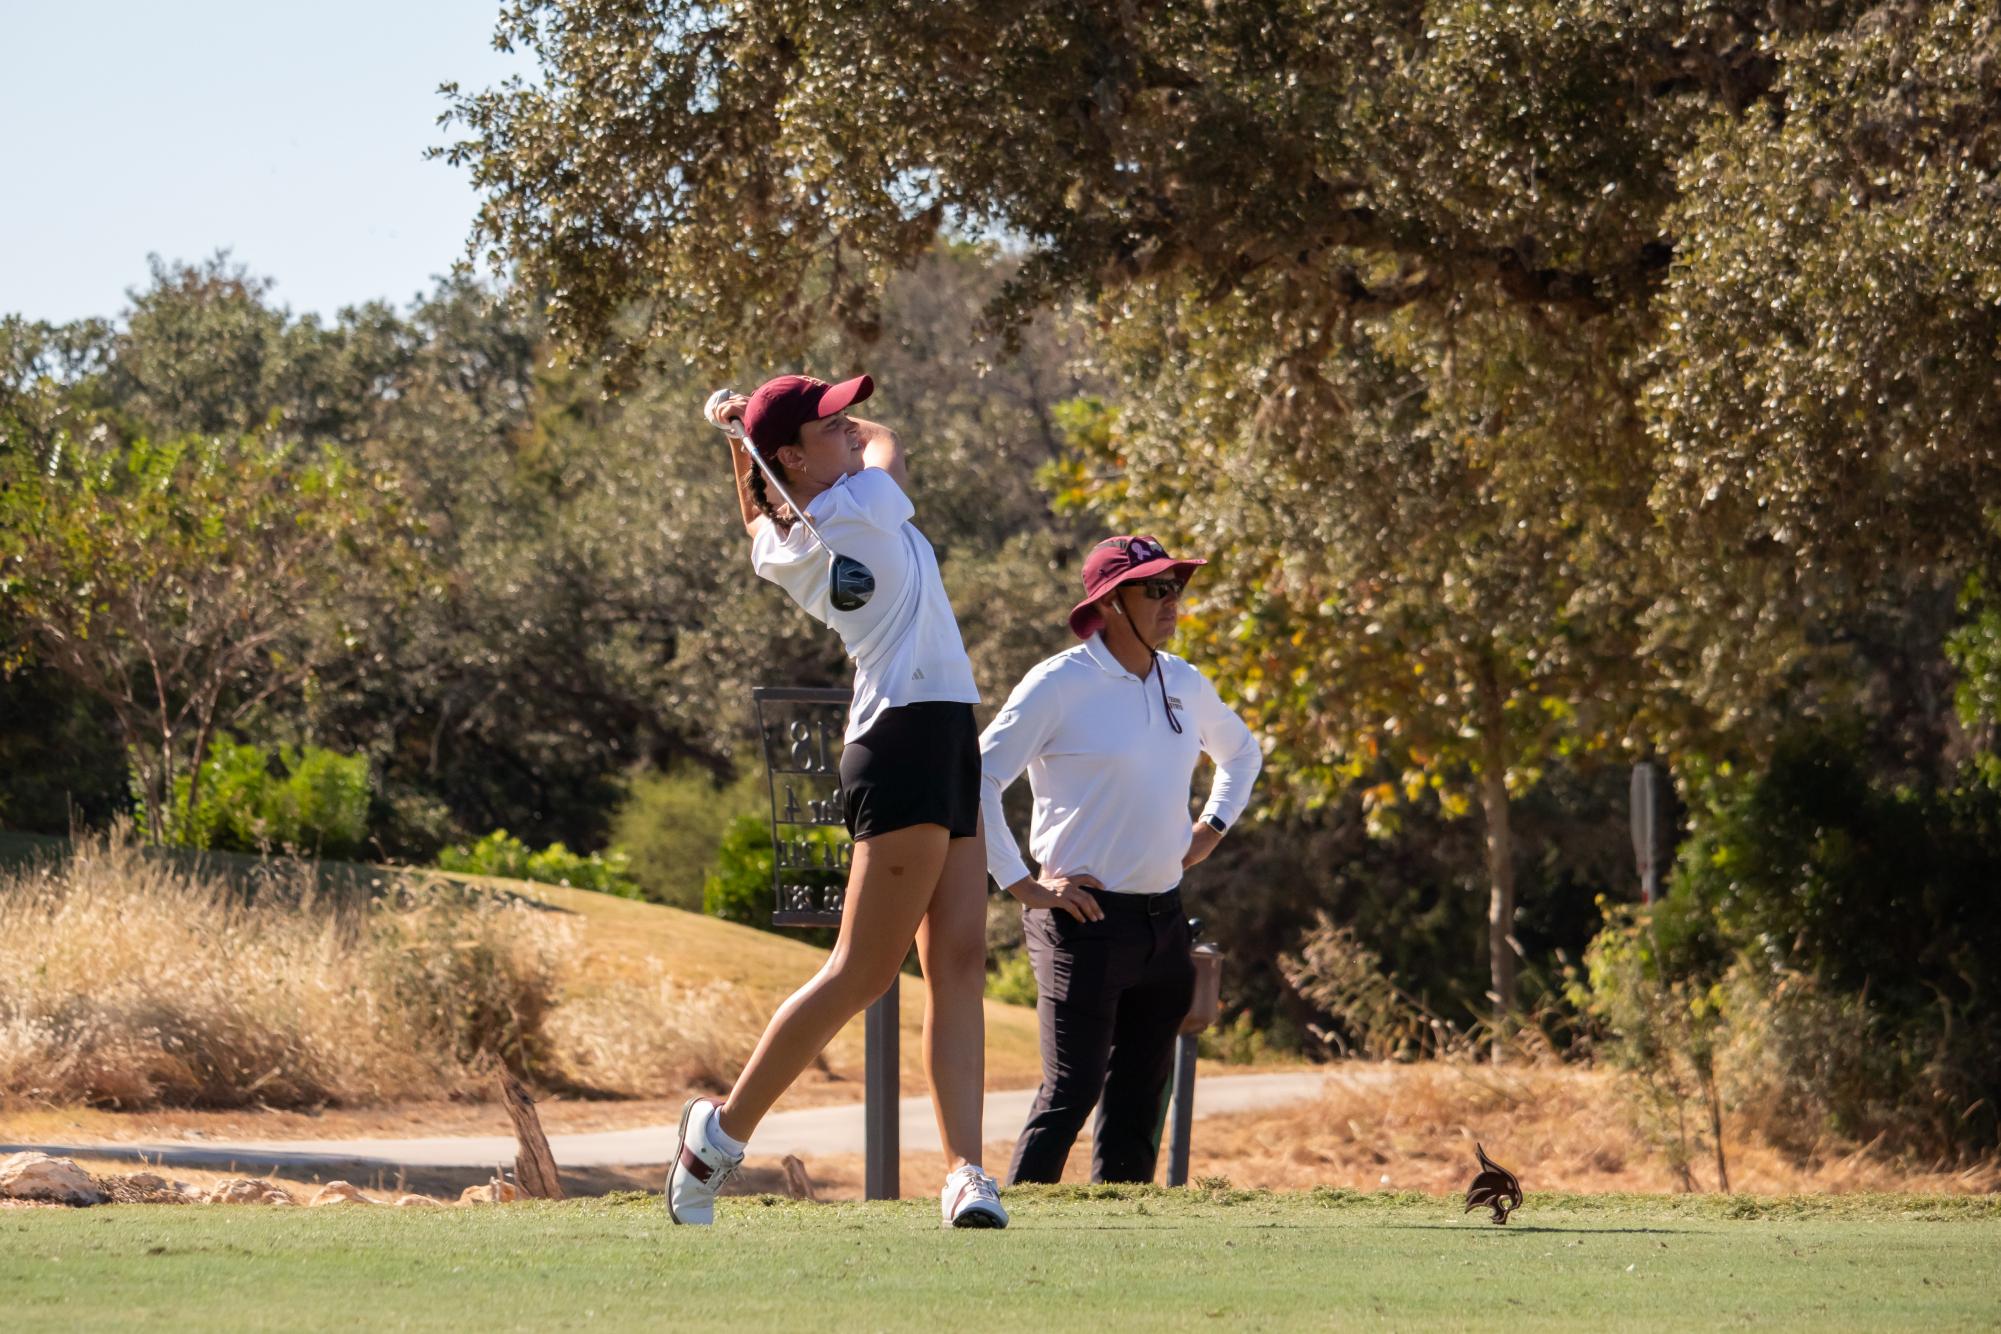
column 1165, row 586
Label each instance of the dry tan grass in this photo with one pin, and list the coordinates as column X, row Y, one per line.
column 1413, row 1127
column 125, row 982
column 140, row 983
column 656, row 1037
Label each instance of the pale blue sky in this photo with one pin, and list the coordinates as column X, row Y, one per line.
column 292, row 134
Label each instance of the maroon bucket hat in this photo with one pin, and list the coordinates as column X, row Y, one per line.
column 781, row 406
column 1121, row 560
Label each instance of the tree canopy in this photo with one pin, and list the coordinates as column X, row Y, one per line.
column 1766, row 221
column 1561, row 375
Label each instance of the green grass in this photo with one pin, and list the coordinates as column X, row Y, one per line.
column 1076, row 1258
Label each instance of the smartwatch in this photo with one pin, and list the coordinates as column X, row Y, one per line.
column 1215, row 824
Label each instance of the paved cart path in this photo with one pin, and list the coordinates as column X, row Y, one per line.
column 807, row 1131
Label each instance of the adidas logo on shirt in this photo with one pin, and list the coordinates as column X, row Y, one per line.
column 917, row 675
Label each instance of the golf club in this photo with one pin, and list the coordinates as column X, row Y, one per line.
column 850, row 584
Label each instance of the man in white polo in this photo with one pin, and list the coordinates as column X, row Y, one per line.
column 1110, row 733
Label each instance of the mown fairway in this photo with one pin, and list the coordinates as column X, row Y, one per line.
column 1076, row 1258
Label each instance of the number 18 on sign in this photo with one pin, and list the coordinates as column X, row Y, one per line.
column 801, row 729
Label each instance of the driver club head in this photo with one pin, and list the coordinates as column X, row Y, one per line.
column 850, row 584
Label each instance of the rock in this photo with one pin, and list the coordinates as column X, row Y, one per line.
column 36, row 1176
column 246, row 1190
column 417, row 1202
column 493, row 1192
column 149, row 1188
column 338, row 1192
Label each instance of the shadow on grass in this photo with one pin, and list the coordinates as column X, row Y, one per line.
column 1527, row 1229
column 1155, row 1223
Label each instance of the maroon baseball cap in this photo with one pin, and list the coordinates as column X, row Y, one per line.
column 781, row 406
column 1120, row 560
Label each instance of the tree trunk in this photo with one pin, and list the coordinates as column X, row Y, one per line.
column 534, row 1165
column 1715, row 1100
column 158, row 819
column 152, row 783
column 1500, row 890
column 1500, row 852
column 147, row 767
column 204, row 733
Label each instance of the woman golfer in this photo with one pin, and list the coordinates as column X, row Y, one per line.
column 1110, row 732
column 910, row 775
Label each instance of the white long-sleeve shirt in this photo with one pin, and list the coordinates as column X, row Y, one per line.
column 1111, row 777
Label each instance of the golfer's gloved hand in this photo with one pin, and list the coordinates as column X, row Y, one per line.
column 1063, row 893
column 725, row 406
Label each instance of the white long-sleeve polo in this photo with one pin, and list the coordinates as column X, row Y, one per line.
column 1110, row 776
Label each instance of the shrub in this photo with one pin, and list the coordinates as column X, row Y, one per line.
column 1975, row 649
column 739, row 888
column 1370, row 1014
column 1239, row 1042
column 307, row 800
column 1668, row 1018
column 502, row 855
column 670, row 826
column 1011, row 978
column 323, row 805
column 131, row 978
column 1831, row 946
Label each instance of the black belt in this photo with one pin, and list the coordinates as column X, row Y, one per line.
column 1140, row 905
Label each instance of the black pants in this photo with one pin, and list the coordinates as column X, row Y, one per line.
column 1113, row 994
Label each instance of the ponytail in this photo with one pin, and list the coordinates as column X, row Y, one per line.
column 780, row 515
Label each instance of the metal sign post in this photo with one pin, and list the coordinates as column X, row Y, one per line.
column 802, row 729
column 1203, row 1008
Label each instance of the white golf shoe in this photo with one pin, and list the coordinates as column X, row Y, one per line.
column 970, row 1199
column 701, row 1166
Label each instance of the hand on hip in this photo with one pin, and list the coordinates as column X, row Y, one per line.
column 1062, row 893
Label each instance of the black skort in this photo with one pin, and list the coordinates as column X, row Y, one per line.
column 916, row 764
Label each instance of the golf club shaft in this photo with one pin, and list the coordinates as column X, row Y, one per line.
column 783, row 494
column 849, row 581
column 734, row 430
